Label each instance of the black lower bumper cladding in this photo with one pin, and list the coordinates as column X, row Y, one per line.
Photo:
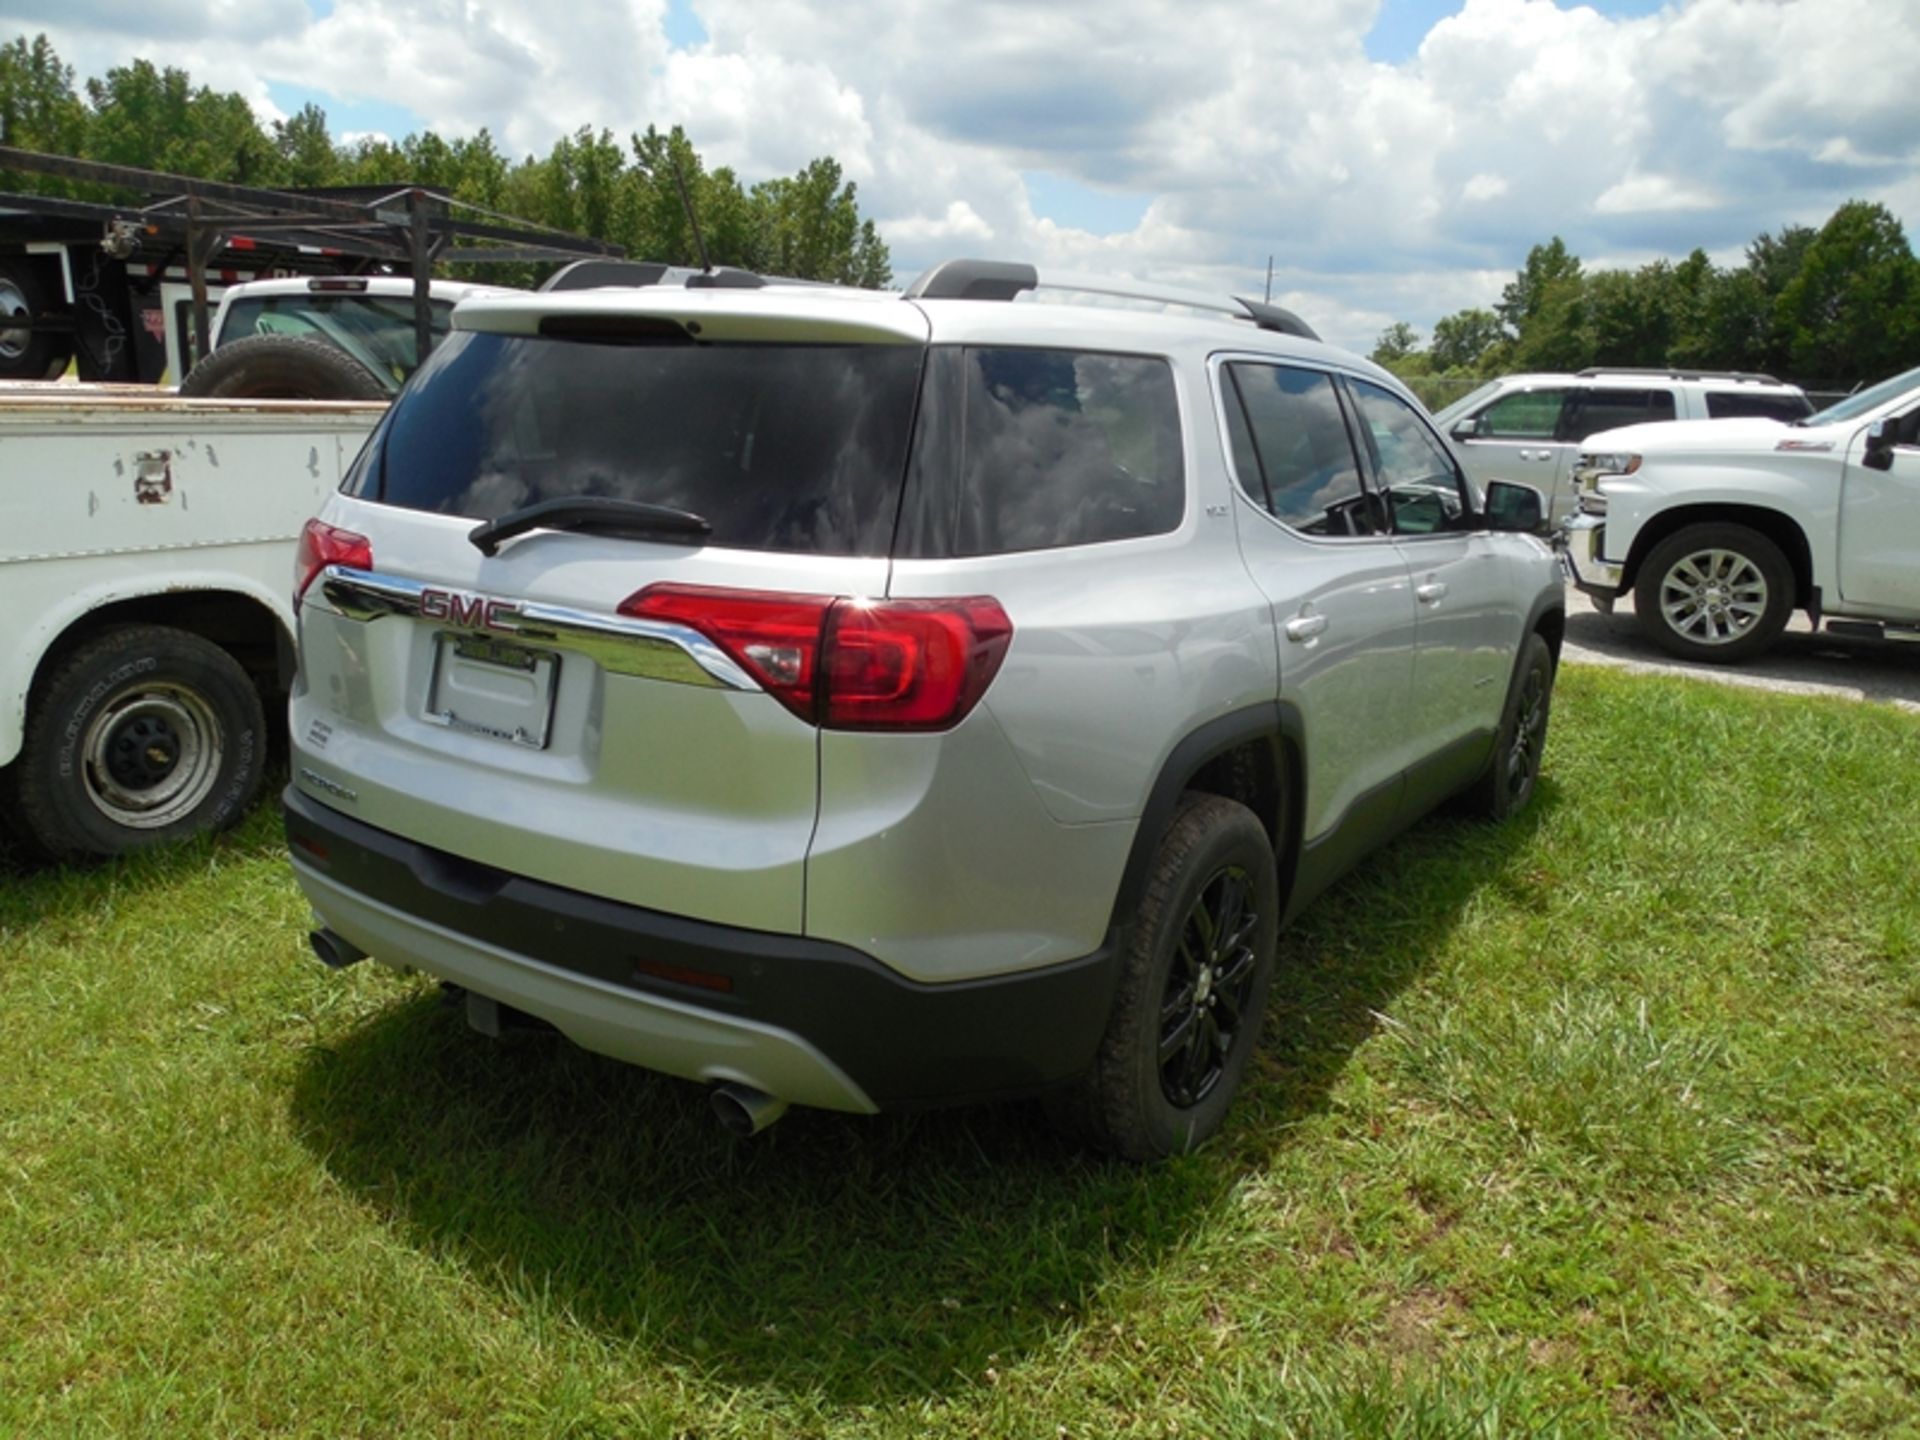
column 904, row 1043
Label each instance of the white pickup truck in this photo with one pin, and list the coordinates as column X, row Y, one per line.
column 1721, row 529
column 146, row 553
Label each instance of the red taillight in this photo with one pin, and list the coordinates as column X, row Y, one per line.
column 911, row 664
column 773, row 637
column 848, row 664
column 322, row 545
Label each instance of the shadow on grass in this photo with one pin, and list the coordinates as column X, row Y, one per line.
column 859, row 1260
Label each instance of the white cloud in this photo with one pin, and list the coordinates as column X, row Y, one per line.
column 1383, row 192
column 960, row 222
column 1650, row 194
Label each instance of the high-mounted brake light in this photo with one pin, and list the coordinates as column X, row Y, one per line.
column 847, row 664
column 337, row 284
column 322, row 545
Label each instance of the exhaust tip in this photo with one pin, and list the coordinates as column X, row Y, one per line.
column 334, row 952
column 743, row 1110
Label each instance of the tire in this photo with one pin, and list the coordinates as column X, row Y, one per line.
column 140, row 736
column 1136, row 1100
column 1717, row 592
column 1507, row 784
column 23, row 354
column 281, row 367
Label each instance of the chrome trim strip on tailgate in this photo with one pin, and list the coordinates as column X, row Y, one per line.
column 621, row 644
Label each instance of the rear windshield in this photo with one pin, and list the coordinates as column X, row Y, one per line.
column 1736, row 404
column 798, row 448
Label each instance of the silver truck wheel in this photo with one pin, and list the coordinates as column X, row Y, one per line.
column 1714, row 592
column 152, row 754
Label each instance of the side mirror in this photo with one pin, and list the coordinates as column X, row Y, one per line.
column 1879, row 452
column 1516, row 507
column 1466, row 429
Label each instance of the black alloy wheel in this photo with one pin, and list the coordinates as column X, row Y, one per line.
column 1208, row 987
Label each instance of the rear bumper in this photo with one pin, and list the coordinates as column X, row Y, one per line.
column 806, row 1020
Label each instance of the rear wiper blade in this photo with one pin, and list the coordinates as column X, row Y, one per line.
column 601, row 514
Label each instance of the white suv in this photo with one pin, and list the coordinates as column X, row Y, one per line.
column 1529, row 428
column 869, row 700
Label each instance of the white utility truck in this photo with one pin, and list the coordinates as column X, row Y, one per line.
column 146, row 554
column 1720, row 529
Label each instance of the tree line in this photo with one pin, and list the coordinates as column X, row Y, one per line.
column 807, row 225
column 1829, row 308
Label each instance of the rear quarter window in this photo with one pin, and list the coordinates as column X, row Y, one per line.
column 1060, row 447
column 1736, row 404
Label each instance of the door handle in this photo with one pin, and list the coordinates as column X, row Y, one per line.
column 1431, row 592
column 1305, row 627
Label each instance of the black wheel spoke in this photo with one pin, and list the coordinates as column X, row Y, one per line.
column 1232, row 904
column 1237, row 971
column 1180, row 1038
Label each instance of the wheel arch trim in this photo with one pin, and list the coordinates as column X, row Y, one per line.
column 55, row 627
column 1273, row 724
column 1785, row 530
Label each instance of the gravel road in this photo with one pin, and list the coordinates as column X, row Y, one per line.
column 1802, row 663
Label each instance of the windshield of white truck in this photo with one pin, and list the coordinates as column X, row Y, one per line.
column 1866, row 401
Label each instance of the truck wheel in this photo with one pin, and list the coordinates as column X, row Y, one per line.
column 1192, row 990
column 23, row 354
column 142, row 735
column 1506, row 785
column 1714, row 592
column 281, row 367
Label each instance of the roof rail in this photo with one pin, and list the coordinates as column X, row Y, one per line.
column 1005, row 279
column 1670, row 372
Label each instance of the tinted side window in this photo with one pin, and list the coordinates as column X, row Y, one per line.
column 1415, row 470
column 1304, row 449
column 1736, row 404
column 1066, row 447
column 1523, row 415
column 1597, row 410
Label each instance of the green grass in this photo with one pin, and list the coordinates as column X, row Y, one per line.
column 1603, row 1122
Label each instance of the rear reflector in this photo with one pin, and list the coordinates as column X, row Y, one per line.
column 848, row 664
column 322, row 545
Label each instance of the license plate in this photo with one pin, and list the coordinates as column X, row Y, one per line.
column 489, row 687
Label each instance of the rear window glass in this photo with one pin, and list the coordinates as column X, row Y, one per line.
column 1065, row 447
column 1597, row 410
column 1737, row 404
column 798, row 448
column 376, row 330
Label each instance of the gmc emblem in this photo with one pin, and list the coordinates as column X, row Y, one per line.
column 472, row 612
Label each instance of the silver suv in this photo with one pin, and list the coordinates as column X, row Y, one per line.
column 867, row 701
column 1529, row 428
